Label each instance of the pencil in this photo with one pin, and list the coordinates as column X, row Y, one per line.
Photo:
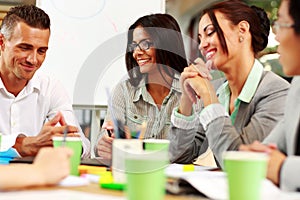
column 143, row 130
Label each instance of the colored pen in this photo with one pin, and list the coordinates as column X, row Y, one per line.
column 188, row 167
column 143, row 130
column 113, row 186
column 106, row 181
column 65, row 136
column 109, row 132
column 96, row 170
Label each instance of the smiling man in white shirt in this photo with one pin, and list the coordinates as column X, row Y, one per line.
column 29, row 99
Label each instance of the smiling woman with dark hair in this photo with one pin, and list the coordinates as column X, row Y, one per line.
column 155, row 57
column 244, row 106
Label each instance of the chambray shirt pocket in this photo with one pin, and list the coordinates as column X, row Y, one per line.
column 134, row 119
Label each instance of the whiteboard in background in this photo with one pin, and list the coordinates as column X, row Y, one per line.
column 88, row 43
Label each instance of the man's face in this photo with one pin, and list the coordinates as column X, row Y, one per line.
column 24, row 52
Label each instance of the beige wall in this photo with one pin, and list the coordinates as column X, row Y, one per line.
column 3, row 10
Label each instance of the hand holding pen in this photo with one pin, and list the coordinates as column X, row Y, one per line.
column 104, row 144
column 30, row 145
column 64, row 130
column 109, row 127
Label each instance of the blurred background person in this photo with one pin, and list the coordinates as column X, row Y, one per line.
column 283, row 143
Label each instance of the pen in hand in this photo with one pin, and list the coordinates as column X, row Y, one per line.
column 108, row 127
column 64, row 137
column 109, row 132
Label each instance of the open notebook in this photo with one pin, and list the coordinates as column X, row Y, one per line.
column 8, row 155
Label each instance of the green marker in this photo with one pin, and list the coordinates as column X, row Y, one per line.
column 106, row 181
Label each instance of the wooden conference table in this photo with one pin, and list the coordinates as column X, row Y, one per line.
column 94, row 188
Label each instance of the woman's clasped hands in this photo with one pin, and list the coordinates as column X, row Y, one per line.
column 195, row 82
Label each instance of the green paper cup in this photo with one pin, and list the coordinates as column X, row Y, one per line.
column 145, row 173
column 75, row 144
column 245, row 174
column 156, row 144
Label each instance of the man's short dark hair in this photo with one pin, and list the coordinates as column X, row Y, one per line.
column 29, row 14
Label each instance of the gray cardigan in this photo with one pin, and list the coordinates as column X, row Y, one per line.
column 285, row 136
column 254, row 121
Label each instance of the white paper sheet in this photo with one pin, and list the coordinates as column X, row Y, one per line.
column 214, row 185
column 176, row 170
column 72, row 181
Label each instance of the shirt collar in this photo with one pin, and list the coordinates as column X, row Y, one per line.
column 34, row 83
column 248, row 89
column 252, row 82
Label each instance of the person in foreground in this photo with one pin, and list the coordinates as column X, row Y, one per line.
column 155, row 57
column 32, row 104
column 247, row 103
column 283, row 143
column 50, row 166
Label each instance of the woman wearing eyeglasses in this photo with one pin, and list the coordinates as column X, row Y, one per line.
column 283, row 143
column 242, row 107
column 155, row 58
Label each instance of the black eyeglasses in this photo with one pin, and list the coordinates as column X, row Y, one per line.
column 278, row 25
column 143, row 45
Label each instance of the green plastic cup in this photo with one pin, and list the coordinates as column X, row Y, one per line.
column 245, row 174
column 76, row 145
column 156, row 144
column 145, row 174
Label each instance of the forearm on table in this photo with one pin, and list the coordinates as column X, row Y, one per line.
column 15, row 176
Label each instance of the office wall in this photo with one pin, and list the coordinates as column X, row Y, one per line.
column 88, row 42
